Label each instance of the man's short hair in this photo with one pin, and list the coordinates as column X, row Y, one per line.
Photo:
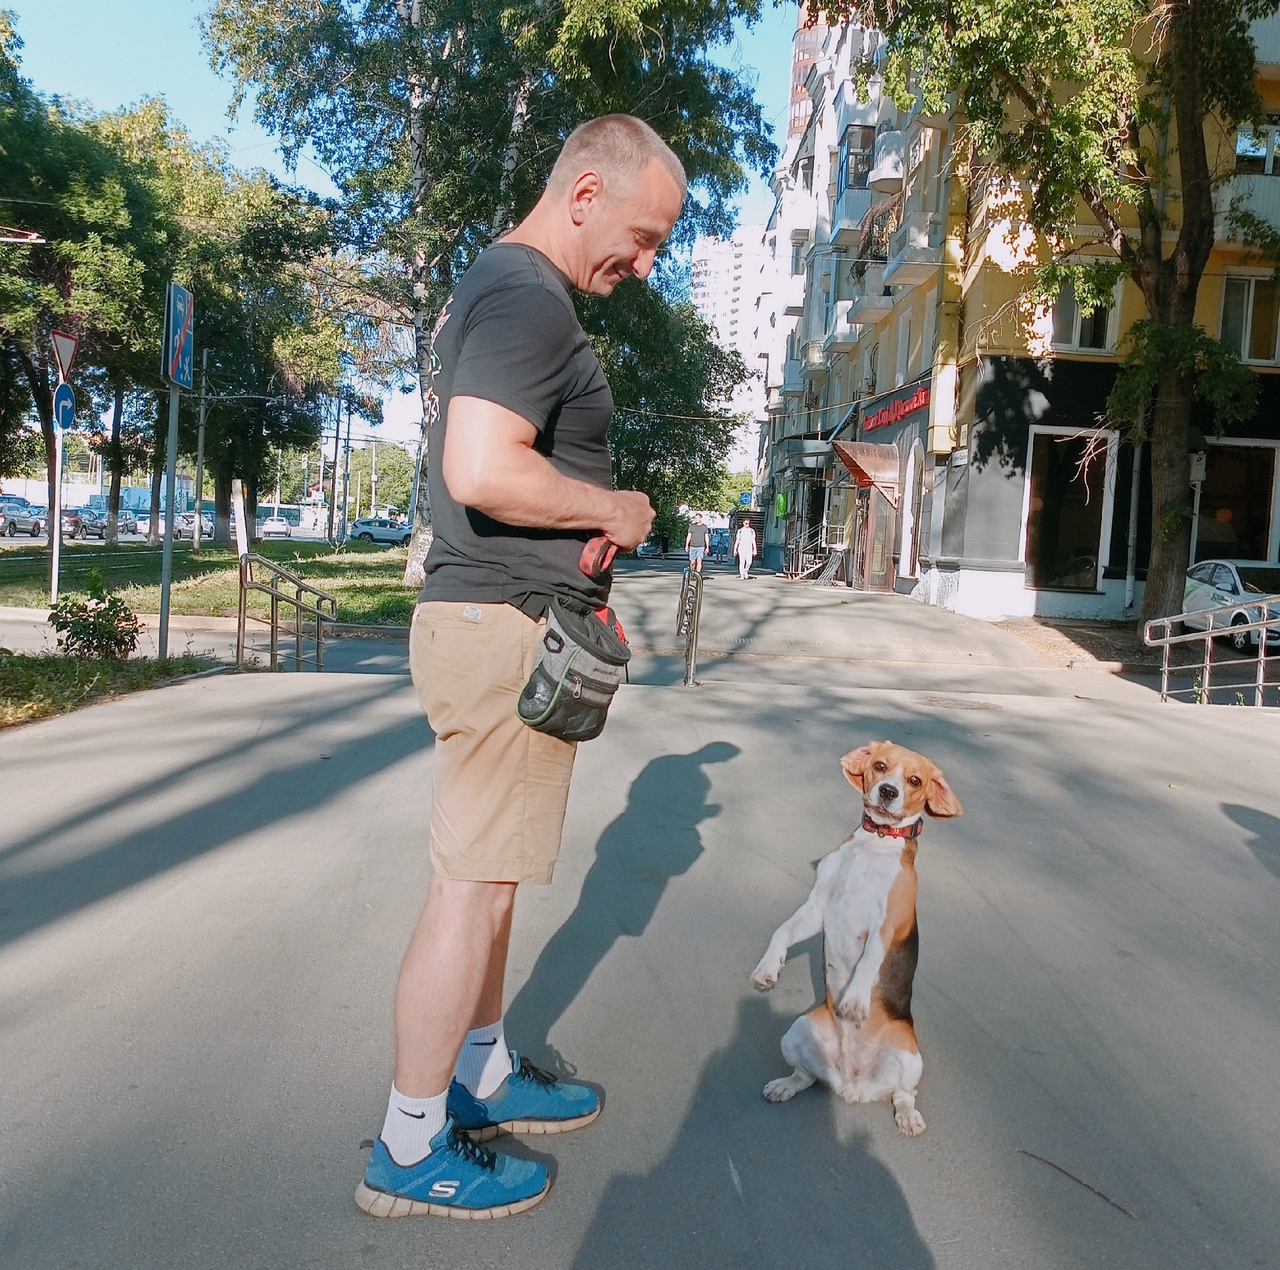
column 619, row 148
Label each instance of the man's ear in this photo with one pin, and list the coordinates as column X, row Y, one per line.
column 940, row 800
column 855, row 764
column 587, row 189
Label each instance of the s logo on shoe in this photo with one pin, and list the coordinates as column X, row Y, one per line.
column 444, row 1190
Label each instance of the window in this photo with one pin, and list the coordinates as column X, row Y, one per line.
column 904, row 349
column 797, row 258
column 1249, row 318
column 1075, row 330
column 1066, row 505
column 855, row 158
column 1256, row 148
column 1236, row 502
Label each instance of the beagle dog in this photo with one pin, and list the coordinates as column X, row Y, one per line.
column 861, row 1040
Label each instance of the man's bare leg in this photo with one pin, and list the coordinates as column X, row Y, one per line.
column 450, row 980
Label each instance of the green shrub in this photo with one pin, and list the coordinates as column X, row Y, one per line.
column 100, row 625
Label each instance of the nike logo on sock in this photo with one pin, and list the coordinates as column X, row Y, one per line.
column 413, row 1115
column 486, row 1043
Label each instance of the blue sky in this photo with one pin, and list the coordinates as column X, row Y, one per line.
column 111, row 53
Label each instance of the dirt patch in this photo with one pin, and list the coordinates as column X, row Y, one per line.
column 1083, row 645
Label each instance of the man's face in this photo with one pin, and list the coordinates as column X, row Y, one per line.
column 624, row 230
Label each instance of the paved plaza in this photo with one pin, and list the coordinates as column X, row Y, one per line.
column 205, row 892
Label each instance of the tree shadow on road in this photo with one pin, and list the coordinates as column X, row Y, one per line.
column 1265, row 828
column 749, row 1183
column 654, row 840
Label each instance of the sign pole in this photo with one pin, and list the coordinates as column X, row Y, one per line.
column 55, row 514
column 64, row 414
column 166, row 558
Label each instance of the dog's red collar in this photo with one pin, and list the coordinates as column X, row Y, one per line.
column 892, row 831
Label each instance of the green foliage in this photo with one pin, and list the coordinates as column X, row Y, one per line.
column 731, row 485
column 99, row 626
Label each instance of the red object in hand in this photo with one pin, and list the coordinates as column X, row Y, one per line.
column 597, row 556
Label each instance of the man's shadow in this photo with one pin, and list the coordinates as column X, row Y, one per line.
column 654, row 840
column 1266, row 833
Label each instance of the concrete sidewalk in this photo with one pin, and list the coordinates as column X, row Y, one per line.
column 200, row 929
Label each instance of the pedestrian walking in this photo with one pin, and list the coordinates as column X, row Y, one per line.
column 744, row 547
column 695, row 542
column 513, row 503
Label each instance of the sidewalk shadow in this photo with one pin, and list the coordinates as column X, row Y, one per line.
column 748, row 1183
column 654, row 840
column 1265, row 829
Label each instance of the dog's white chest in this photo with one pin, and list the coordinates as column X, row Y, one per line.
column 856, row 905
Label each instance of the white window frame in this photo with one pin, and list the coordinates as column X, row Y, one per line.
column 903, row 370
column 1113, row 319
column 908, row 548
column 1108, row 491
column 1251, row 276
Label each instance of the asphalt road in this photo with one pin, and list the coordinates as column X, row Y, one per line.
column 205, row 892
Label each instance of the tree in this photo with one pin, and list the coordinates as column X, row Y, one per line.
column 441, row 124
column 1112, row 111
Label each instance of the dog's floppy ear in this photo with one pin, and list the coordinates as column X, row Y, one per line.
column 855, row 764
column 940, row 800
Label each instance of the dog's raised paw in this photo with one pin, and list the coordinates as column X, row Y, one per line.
column 853, row 1008
column 764, row 976
column 910, row 1122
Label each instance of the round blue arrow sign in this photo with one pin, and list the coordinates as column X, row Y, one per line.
column 64, row 407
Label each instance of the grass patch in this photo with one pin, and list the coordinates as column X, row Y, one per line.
column 365, row 580
column 39, row 685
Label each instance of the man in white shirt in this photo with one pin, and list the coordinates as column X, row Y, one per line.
column 744, row 547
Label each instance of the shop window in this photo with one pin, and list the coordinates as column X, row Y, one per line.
column 912, row 504
column 1065, row 511
column 1236, row 501
column 1249, row 307
column 1073, row 329
column 855, row 158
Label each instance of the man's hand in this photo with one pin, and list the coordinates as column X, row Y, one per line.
column 631, row 520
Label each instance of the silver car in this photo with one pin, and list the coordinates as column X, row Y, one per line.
column 1212, row 584
column 26, row 520
column 379, row 529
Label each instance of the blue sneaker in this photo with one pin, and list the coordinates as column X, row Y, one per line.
column 528, row 1101
column 458, row 1179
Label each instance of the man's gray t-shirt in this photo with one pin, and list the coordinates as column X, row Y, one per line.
column 509, row 334
column 697, row 537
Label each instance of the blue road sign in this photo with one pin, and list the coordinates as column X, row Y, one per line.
column 64, row 407
column 179, row 337
column 744, row 498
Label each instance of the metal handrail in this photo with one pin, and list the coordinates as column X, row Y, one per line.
column 1160, row 633
column 324, row 609
column 809, row 543
column 688, row 619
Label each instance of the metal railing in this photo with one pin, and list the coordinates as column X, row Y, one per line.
column 1166, row 633
column 805, row 555
column 323, row 609
column 688, row 617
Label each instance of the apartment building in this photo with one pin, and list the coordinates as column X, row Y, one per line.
column 932, row 433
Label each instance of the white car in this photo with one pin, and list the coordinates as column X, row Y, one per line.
column 276, row 527
column 1212, row 584
column 184, row 526
column 379, row 529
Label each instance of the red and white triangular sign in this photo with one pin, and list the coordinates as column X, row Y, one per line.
column 64, row 349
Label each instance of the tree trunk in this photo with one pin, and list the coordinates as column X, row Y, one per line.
column 1170, row 497
column 221, row 507
column 115, row 458
column 37, row 377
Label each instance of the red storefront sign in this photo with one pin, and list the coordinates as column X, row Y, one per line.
column 896, row 411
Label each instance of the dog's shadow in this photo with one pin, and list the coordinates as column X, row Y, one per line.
column 654, row 840
column 1265, row 829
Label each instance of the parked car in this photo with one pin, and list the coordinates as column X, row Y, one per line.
column 718, row 546
column 379, row 529
column 142, row 523
column 126, row 521
column 276, row 527
column 73, row 522
column 12, row 500
column 93, row 523
column 184, row 526
column 26, row 520
column 1213, row 583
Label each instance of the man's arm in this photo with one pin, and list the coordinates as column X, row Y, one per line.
column 490, row 464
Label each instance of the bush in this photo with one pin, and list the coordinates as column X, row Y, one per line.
column 101, row 625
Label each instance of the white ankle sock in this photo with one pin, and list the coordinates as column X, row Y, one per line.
column 410, row 1125
column 484, row 1061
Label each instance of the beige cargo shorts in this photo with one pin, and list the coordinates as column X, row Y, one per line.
column 500, row 787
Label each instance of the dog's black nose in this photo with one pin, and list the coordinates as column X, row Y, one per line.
column 888, row 794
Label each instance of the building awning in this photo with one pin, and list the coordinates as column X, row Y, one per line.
column 871, row 465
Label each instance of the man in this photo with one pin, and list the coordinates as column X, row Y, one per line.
column 520, row 479
column 695, row 542
column 744, row 547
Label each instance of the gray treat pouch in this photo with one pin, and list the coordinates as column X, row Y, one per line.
column 582, row 663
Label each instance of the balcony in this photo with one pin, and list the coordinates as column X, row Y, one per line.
column 791, row 293
column 871, row 303
column 792, row 384
column 842, row 335
column 1257, row 192
column 847, row 215
column 1266, row 40
column 915, row 250
column 773, row 401
column 885, row 176
column 813, row 360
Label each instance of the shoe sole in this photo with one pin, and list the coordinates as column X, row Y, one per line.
column 532, row 1127
column 384, row 1204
